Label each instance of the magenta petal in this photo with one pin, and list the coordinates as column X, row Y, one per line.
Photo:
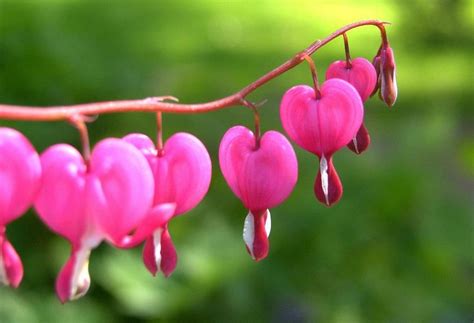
column 262, row 178
column 169, row 257
column 150, row 259
column 11, row 268
column 361, row 141
column 322, row 126
column 60, row 201
column 73, row 281
column 20, row 174
column 159, row 253
column 361, row 75
column 124, row 191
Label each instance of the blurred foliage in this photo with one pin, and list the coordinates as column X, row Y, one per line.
column 397, row 248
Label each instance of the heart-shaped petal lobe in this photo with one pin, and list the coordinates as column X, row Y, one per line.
column 322, row 126
column 361, row 74
column 20, row 174
column 60, row 201
column 124, row 193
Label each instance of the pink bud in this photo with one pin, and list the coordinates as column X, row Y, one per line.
column 261, row 176
column 362, row 75
column 323, row 126
column 388, row 79
column 105, row 198
column 20, row 178
column 182, row 172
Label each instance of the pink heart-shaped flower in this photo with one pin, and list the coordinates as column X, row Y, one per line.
column 323, row 126
column 261, row 175
column 20, row 178
column 182, row 172
column 86, row 202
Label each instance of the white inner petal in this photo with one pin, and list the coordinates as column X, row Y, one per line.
column 249, row 232
column 323, row 167
column 354, row 140
column 157, row 244
column 81, row 279
column 268, row 223
column 3, row 274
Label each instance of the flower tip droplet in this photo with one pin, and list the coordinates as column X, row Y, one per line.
column 328, row 186
column 361, row 141
column 159, row 253
column 73, row 281
column 257, row 227
column 11, row 267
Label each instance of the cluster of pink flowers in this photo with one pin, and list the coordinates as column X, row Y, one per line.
column 128, row 190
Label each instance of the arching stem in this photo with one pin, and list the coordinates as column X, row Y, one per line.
column 55, row 113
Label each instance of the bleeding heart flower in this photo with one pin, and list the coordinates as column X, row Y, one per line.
column 20, row 178
column 182, row 172
column 323, row 126
column 86, row 202
column 262, row 175
column 362, row 75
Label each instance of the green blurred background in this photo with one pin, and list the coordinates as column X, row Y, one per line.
column 397, row 248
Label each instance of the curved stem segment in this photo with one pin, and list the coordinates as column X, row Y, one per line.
column 154, row 104
column 314, row 74
column 256, row 117
column 80, row 123
column 347, row 50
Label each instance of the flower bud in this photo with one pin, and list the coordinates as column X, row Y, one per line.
column 388, row 80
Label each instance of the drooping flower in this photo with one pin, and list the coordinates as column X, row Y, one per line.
column 362, row 75
column 20, row 178
column 88, row 201
column 323, row 126
column 182, row 172
column 261, row 173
